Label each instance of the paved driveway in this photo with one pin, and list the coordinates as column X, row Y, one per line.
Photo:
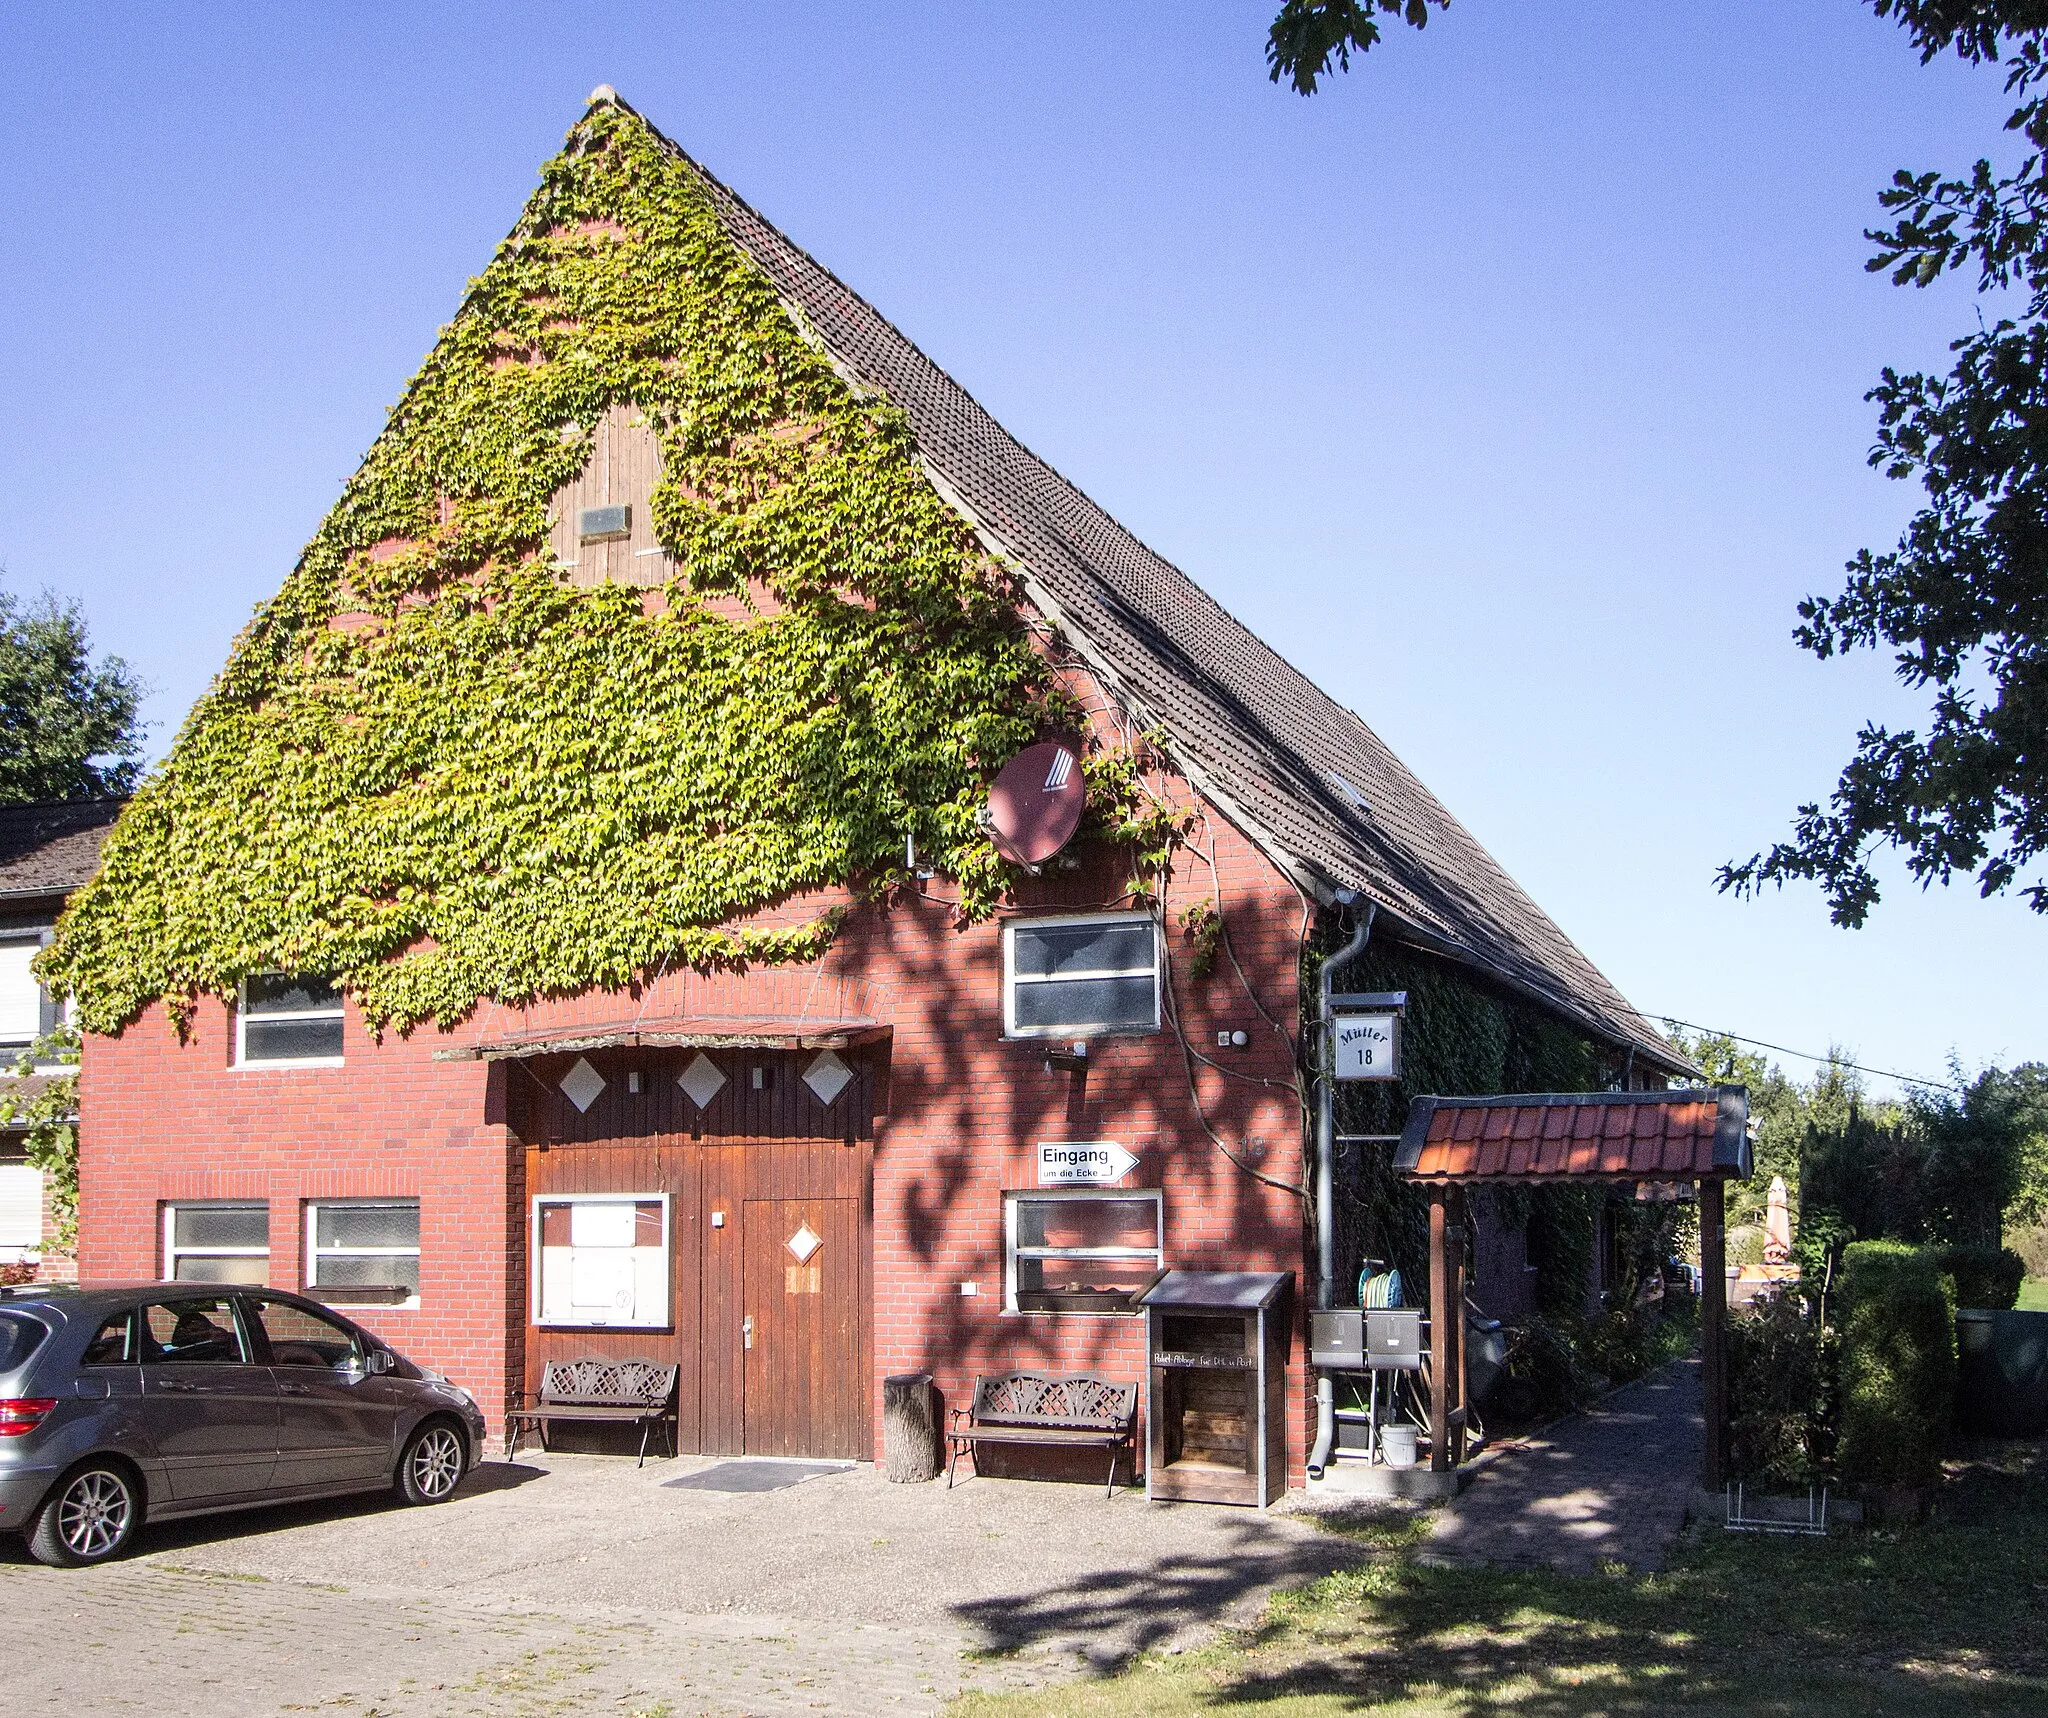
column 567, row 1584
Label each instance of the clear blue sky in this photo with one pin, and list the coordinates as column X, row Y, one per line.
column 1511, row 387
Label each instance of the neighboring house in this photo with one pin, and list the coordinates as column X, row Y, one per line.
column 46, row 851
column 685, row 1010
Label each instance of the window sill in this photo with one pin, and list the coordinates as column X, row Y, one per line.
column 1075, row 1034
column 286, row 1064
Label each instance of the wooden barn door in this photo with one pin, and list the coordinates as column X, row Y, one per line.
column 803, row 1378
column 774, row 1349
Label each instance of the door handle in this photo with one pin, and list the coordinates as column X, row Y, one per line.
column 293, row 1390
column 747, row 1330
column 176, row 1387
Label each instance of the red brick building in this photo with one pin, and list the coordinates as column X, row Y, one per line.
column 793, row 1178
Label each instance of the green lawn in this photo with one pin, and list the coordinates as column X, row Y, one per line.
column 2034, row 1295
column 1944, row 1619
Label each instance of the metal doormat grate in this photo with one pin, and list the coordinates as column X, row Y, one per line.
column 755, row 1475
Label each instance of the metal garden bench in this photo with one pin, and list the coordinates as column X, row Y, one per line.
column 1035, row 1408
column 612, row 1392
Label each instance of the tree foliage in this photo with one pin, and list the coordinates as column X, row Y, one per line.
column 1309, row 35
column 68, row 724
column 1962, row 600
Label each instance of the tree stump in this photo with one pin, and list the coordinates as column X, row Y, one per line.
column 910, row 1432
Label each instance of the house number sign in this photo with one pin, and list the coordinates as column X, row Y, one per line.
column 1366, row 1046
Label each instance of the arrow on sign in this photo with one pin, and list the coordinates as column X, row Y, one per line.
column 1086, row 1162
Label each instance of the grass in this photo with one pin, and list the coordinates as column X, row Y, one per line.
column 2034, row 1295
column 1936, row 1620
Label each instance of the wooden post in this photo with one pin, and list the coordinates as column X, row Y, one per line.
column 1442, row 1368
column 1713, row 1333
column 1460, row 1415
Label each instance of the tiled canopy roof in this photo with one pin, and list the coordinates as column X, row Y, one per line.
column 1691, row 1135
column 1304, row 777
column 51, row 848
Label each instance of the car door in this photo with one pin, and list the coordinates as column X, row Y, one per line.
column 337, row 1420
column 209, row 1409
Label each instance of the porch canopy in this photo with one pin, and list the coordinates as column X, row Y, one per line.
column 699, row 1033
column 1697, row 1136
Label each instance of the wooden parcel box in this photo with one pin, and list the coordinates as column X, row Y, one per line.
column 1217, row 1344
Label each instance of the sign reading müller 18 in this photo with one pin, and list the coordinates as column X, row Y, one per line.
column 1365, row 1046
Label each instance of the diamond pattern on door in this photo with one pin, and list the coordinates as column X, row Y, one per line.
column 703, row 1080
column 582, row 1084
column 827, row 1076
column 804, row 1243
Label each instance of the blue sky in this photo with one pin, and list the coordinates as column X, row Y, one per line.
column 1511, row 387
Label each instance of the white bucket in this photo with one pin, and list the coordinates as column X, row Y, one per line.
column 1397, row 1444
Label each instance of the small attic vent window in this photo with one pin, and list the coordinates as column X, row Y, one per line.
column 604, row 524
column 1351, row 793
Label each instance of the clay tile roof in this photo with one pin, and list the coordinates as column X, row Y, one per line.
column 1686, row 1135
column 1304, row 777
column 52, row 847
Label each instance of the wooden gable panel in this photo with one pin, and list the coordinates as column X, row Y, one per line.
column 624, row 467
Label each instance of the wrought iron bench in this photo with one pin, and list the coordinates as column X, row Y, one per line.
column 613, row 1392
column 1034, row 1408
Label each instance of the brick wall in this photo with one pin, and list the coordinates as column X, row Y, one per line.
column 167, row 1119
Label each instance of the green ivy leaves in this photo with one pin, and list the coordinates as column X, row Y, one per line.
column 481, row 782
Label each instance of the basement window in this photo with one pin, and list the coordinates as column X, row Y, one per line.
column 1077, row 977
column 364, row 1252
column 601, row 1259
column 1080, row 1251
column 288, row 1022
column 217, row 1243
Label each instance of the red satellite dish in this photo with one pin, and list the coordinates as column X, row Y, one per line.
column 1035, row 805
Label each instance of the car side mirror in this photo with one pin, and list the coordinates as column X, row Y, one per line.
column 378, row 1361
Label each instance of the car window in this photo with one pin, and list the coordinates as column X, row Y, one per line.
column 299, row 1337
column 192, row 1330
column 113, row 1344
column 19, row 1338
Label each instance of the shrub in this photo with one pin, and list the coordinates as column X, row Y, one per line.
column 1898, row 1364
column 1984, row 1276
column 1781, row 1397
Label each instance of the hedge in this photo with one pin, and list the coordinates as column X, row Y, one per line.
column 1898, row 1364
column 1984, row 1276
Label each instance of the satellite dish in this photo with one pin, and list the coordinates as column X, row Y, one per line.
column 1035, row 805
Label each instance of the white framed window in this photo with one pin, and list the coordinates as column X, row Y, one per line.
column 21, row 1212
column 1081, row 976
column 601, row 1259
column 363, row 1252
column 1080, row 1250
column 217, row 1242
column 286, row 1021
column 22, row 1012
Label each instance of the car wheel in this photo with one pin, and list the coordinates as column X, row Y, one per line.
column 89, row 1517
column 431, row 1467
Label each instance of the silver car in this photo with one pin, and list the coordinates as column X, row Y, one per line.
column 157, row 1400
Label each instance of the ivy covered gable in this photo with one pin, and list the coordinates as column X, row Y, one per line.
column 437, row 767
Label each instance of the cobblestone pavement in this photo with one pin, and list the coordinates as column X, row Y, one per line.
column 1610, row 1485
column 577, row 1584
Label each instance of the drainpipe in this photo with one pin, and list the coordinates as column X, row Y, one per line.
column 1326, row 1173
